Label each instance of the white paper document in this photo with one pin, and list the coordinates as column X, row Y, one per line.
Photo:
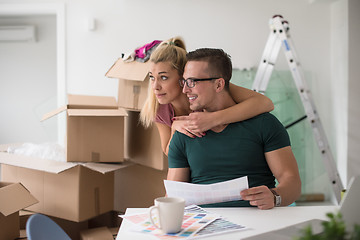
column 207, row 193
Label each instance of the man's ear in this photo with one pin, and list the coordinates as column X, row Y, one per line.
column 220, row 84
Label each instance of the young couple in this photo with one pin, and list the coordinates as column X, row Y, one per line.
column 214, row 131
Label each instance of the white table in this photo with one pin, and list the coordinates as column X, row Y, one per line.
column 259, row 221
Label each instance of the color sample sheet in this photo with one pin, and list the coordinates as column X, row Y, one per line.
column 197, row 223
column 193, row 222
column 219, row 226
column 207, row 193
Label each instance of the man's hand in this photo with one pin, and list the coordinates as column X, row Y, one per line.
column 260, row 196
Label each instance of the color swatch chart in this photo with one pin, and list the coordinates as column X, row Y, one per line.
column 219, row 226
column 193, row 222
column 197, row 223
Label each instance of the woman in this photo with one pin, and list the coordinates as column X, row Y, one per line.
column 169, row 107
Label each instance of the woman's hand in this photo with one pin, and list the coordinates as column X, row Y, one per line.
column 198, row 122
column 183, row 124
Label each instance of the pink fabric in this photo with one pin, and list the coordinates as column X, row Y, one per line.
column 141, row 52
column 165, row 114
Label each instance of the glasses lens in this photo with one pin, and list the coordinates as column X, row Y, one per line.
column 182, row 82
column 190, row 83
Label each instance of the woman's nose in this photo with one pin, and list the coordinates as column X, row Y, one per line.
column 156, row 84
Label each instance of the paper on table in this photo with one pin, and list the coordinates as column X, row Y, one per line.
column 207, row 193
column 193, row 222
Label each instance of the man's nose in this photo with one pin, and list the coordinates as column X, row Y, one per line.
column 185, row 89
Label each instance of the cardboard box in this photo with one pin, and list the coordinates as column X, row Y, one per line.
column 22, row 235
column 24, row 216
column 146, row 185
column 71, row 191
column 13, row 198
column 101, row 233
column 110, row 219
column 95, row 129
column 133, row 82
column 143, row 145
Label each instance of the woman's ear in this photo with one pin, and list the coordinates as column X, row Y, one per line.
column 220, row 84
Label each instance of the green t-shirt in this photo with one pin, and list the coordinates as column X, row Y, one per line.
column 235, row 152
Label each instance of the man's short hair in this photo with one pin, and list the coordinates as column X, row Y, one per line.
column 219, row 62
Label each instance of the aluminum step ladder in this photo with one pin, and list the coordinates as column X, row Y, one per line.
column 280, row 37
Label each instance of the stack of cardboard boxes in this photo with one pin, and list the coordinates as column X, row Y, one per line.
column 142, row 146
column 112, row 162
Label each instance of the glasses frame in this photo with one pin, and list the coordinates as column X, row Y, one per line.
column 182, row 81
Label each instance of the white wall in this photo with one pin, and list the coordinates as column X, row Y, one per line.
column 354, row 87
column 240, row 27
column 339, row 82
column 28, row 82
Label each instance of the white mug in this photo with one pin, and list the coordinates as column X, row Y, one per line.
column 170, row 212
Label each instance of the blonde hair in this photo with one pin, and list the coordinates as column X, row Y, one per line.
column 173, row 51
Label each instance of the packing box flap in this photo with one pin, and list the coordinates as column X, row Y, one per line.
column 54, row 112
column 91, row 102
column 106, row 167
column 35, row 163
column 98, row 112
column 54, row 166
column 85, row 102
column 134, row 71
column 14, row 197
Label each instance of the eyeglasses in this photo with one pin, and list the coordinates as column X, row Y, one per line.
column 190, row 82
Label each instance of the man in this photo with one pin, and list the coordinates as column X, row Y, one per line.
column 258, row 148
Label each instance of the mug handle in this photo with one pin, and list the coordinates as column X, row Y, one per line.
column 151, row 218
